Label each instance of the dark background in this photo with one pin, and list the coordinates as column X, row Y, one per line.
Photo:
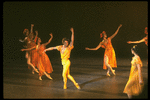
column 88, row 19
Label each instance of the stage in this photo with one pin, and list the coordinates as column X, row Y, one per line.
column 19, row 82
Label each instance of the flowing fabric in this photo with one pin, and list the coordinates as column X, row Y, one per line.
column 133, row 87
column 110, row 53
column 34, row 57
column 44, row 63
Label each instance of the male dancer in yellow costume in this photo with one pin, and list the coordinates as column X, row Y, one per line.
column 65, row 51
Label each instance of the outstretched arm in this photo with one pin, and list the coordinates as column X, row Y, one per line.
column 28, row 49
column 142, row 40
column 50, row 48
column 72, row 37
column 94, row 48
column 23, row 40
column 49, row 39
column 116, row 32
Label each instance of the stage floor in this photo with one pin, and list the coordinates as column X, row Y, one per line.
column 19, row 82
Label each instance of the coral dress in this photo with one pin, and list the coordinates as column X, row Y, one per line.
column 109, row 51
column 34, row 57
column 44, row 63
column 133, row 87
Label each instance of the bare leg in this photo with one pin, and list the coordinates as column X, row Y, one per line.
column 29, row 63
column 129, row 96
column 48, row 76
column 108, row 66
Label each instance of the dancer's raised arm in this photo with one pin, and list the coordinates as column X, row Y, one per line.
column 32, row 28
column 49, row 39
column 36, row 36
column 72, row 37
column 115, row 32
column 94, row 48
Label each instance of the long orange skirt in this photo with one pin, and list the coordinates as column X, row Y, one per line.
column 111, row 58
column 44, row 63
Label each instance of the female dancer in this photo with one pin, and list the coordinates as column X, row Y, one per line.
column 65, row 51
column 44, row 64
column 109, row 55
column 135, row 83
column 29, row 43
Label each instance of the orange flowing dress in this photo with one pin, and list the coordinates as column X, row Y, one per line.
column 34, row 57
column 133, row 87
column 109, row 51
column 44, row 63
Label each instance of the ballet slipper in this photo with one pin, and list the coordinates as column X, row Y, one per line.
column 108, row 74
column 36, row 70
column 114, row 72
column 40, row 78
column 49, row 77
column 33, row 72
column 77, row 86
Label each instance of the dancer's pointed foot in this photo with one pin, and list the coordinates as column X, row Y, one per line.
column 50, row 77
column 108, row 74
column 36, row 70
column 77, row 86
column 40, row 78
column 114, row 72
column 32, row 71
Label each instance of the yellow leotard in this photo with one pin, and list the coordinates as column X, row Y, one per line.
column 66, row 54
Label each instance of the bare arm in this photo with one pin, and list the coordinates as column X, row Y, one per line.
column 36, row 35
column 50, row 48
column 32, row 28
column 28, row 49
column 116, row 32
column 49, row 39
column 140, row 74
column 94, row 48
column 142, row 40
column 72, row 37
column 22, row 40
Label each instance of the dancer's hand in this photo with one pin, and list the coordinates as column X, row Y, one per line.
column 22, row 49
column 120, row 25
column 86, row 48
column 140, row 81
column 71, row 29
column 32, row 25
column 51, row 35
column 129, row 42
column 44, row 51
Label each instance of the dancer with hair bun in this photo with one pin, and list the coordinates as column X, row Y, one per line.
column 134, row 85
column 42, row 59
column 109, row 55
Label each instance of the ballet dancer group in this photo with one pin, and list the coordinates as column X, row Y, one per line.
column 38, row 60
